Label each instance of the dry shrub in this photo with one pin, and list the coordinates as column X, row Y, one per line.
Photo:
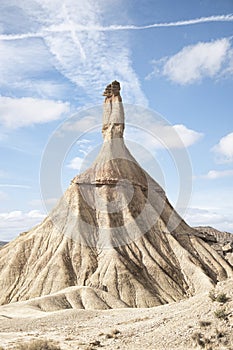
column 40, row 344
column 114, row 333
column 212, row 295
column 199, row 339
column 220, row 333
column 221, row 313
column 222, row 298
column 204, row 323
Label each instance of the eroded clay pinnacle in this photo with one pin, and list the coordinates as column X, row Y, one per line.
column 113, row 113
column 112, row 90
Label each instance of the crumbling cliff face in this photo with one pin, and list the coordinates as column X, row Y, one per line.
column 114, row 234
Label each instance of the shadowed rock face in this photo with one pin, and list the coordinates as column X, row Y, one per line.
column 114, row 234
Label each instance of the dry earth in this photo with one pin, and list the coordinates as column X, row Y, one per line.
column 171, row 326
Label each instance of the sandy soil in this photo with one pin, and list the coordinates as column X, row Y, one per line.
column 169, row 326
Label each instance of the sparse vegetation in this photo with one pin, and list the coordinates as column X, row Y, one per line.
column 221, row 313
column 95, row 343
column 40, row 344
column 204, row 323
column 222, row 298
column 199, row 339
column 213, row 341
column 220, row 334
column 212, row 295
column 113, row 334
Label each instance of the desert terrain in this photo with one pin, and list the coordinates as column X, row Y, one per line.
column 188, row 324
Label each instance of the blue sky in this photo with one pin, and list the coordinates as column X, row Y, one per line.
column 172, row 57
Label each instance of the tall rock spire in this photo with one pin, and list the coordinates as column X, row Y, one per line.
column 113, row 114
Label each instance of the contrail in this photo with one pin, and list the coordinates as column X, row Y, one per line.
column 15, row 186
column 80, row 28
column 220, row 18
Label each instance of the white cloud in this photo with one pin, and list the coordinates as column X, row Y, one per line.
column 85, row 146
column 209, row 217
column 14, row 222
column 18, row 61
column 164, row 136
column 188, row 136
column 76, row 163
column 224, row 149
column 217, row 174
column 211, row 205
column 26, row 111
column 195, row 62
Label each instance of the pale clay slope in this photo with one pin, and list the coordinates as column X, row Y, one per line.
column 95, row 238
column 169, row 326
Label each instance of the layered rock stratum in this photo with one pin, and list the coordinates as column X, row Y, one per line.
column 113, row 237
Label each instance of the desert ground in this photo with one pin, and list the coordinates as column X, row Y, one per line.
column 197, row 322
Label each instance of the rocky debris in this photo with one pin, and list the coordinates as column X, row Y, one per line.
column 113, row 236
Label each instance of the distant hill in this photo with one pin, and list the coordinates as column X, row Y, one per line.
column 223, row 241
column 221, row 236
column 2, row 243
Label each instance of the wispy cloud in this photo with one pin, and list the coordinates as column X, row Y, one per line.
column 26, row 69
column 20, row 112
column 87, row 58
column 79, row 46
column 209, row 217
column 217, row 174
column 85, row 146
column 224, row 149
column 14, row 222
column 76, row 163
column 195, row 62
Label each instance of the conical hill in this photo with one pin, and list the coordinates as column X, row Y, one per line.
column 114, row 235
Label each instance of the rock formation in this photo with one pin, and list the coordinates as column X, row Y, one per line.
column 222, row 242
column 114, row 235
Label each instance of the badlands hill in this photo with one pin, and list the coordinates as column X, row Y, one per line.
column 222, row 242
column 113, row 239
